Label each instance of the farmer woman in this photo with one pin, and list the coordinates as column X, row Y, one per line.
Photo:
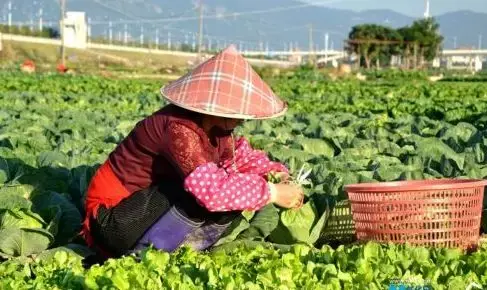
column 180, row 177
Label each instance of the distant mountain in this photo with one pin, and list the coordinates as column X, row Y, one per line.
column 277, row 28
column 465, row 26
column 413, row 8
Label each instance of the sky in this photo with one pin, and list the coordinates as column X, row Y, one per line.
column 408, row 7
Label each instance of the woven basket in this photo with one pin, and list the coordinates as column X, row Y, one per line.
column 438, row 213
column 339, row 227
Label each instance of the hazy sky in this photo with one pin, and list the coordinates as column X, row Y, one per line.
column 408, row 7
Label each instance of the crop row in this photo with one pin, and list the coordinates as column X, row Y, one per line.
column 368, row 266
column 56, row 130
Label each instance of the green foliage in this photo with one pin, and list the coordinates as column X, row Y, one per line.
column 395, row 75
column 56, row 130
column 368, row 266
column 46, row 32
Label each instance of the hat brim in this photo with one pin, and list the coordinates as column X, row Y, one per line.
column 226, row 115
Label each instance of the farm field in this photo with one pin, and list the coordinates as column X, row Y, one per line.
column 56, row 130
column 92, row 61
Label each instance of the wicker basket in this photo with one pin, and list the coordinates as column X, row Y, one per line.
column 339, row 227
column 439, row 213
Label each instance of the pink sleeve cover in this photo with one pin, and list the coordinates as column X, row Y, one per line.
column 219, row 190
column 248, row 160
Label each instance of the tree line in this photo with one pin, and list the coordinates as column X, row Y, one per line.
column 26, row 30
column 411, row 46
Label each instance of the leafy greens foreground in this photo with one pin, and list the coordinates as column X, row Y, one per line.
column 56, row 130
column 370, row 266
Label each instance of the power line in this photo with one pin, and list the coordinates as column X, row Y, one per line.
column 236, row 38
column 227, row 17
column 278, row 27
column 218, row 16
column 117, row 11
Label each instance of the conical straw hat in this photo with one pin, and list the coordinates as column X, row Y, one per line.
column 225, row 86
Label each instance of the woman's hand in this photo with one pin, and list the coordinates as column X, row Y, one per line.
column 287, row 195
column 283, row 176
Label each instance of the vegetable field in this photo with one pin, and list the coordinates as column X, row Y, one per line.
column 55, row 131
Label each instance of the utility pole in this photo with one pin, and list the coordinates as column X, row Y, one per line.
column 427, row 9
column 200, row 30
column 142, row 35
column 169, row 40
column 110, row 32
column 480, row 41
column 455, row 42
column 89, row 29
column 125, row 34
column 9, row 13
column 40, row 19
column 327, row 41
column 311, row 45
column 63, row 12
column 157, row 38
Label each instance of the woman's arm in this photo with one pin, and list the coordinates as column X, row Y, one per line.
column 249, row 160
column 219, row 190
column 214, row 187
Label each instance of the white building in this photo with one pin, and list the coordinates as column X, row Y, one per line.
column 478, row 64
column 473, row 63
column 75, row 30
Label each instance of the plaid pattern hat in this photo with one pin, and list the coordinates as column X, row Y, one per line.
column 225, row 86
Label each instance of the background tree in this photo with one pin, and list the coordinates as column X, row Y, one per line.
column 391, row 45
column 359, row 45
column 418, row 43
column 372, row 43
column 428, row 38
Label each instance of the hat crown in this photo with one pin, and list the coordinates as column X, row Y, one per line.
column 225, row 85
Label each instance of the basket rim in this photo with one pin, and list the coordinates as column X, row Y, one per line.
column 416, row 185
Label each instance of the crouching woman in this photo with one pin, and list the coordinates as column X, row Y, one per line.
column 180, row 177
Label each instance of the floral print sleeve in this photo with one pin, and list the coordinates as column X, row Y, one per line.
column 215, row 186
column 222, row 191
column 249, row 160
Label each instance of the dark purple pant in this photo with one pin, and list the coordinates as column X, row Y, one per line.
column 173, row 229
column 164, row 216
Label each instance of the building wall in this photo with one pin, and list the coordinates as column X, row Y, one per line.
column 75, row 30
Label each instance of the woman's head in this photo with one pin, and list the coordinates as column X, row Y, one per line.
column 225, row 83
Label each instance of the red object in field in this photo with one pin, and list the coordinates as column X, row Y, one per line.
column 28, row 66
column 437, row 213
column 61, row 68
column 29, row 62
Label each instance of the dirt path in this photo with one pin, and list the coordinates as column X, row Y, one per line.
column 147, row 76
